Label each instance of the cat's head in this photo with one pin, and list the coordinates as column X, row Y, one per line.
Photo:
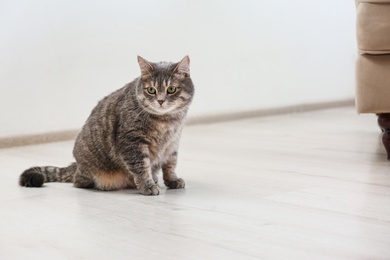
column 164, row 87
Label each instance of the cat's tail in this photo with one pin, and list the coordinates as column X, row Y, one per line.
column 36, row 176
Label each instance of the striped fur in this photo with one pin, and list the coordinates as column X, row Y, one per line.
column 130, row 135
column 36, row 176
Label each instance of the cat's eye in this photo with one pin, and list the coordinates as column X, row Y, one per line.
column 151, row 90
column 171, row 89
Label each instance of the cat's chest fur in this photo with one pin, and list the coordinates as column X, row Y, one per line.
column 163, row 138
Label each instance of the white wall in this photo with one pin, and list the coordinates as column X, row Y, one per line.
column 58, row 58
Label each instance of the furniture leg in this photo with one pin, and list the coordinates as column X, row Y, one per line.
column 384, row 123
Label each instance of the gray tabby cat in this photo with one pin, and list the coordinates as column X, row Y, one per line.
column 130, row 135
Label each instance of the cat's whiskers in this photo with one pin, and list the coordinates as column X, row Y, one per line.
column 142, row 110
column 146, row 119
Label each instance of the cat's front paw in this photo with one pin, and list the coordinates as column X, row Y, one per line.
column 176, row 184
column 149, row 189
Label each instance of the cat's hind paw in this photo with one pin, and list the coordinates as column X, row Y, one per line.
column 155, row 178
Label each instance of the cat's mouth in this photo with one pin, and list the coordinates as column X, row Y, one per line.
column 161, row 109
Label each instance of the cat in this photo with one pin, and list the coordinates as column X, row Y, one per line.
column 130, row 135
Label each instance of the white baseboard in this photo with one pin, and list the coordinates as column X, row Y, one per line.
column 270, row 112
column 6, row 142
column 22, row 140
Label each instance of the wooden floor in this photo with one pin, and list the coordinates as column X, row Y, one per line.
column 302, row 186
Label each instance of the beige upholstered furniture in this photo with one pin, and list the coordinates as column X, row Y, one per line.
column 373, row 62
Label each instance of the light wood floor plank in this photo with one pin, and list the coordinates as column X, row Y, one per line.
column 310, row 185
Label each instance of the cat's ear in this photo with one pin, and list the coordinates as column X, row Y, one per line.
column 183, row 67
column 146, row 67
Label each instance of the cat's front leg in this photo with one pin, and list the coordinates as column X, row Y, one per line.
column 139, row 166
column 170, row 178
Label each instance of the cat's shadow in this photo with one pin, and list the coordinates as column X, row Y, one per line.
column 123, row 191
column 163, row 191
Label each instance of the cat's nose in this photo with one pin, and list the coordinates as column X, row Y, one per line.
column 160, row 102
